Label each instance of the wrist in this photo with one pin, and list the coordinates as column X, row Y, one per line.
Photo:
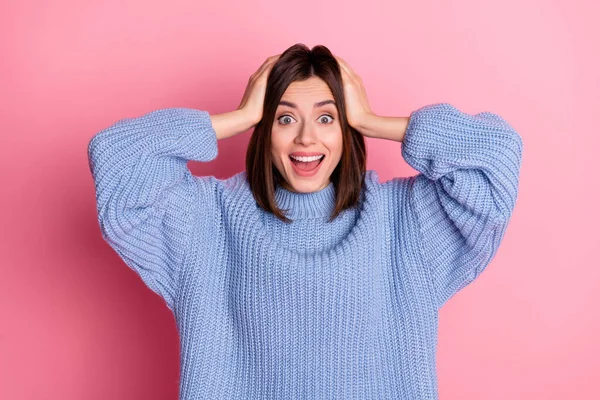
column 390, row 128
column 231, row 123
column 369, row 125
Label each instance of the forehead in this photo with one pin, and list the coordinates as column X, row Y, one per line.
column 307, row 92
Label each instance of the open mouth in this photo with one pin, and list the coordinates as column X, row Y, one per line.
column 307, row 163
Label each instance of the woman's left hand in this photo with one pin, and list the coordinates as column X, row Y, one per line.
column 357, row 105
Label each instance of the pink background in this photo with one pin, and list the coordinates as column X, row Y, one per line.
column 76, row 323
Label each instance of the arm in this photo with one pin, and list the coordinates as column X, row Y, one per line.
column 147, row 199
column 465, row 193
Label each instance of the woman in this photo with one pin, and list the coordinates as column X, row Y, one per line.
column 303, row 277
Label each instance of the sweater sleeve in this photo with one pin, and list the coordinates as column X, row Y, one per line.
column 147, row 199
column 465, row 192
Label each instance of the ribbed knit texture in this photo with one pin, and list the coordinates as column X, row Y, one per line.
column 309, row 310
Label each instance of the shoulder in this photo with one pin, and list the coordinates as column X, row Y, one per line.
column 393, row 189
column 234, row 192
column 222, row 200
column 236, row 185
column 222, row 186
column 219, row 196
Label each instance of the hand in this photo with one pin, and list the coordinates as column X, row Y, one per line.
column 357, row 105
column 253, row 100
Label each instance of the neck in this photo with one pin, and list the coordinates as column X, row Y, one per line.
column 319, row 203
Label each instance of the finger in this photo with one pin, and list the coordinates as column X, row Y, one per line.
column 349, row 70
column 264, row 66
column 341, row 63
column 271, row 63
column 346, row 71
column 271, row 60
column 268, row 64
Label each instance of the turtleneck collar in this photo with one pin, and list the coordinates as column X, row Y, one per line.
column 306, row 205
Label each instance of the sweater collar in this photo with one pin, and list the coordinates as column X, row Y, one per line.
column 306, row 205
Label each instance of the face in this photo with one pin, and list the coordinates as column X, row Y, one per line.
column 305, row 128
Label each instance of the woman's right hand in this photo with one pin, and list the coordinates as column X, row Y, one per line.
column 253, row 100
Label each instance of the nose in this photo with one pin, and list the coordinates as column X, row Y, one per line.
column 306, row 135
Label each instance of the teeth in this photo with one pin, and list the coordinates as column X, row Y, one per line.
column 307, row 159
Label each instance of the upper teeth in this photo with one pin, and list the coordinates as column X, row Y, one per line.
column 307, row 159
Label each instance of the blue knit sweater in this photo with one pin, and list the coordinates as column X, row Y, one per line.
column 307, row 310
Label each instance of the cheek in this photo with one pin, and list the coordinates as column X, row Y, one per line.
column 276, row 155
column 278, row 143
column 336, row 146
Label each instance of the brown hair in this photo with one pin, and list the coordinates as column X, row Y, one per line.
column 299, row 63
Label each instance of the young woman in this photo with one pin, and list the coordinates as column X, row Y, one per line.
column 304, row 277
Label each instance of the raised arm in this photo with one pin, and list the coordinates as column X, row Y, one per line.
column 147, row 199
column 465, row 193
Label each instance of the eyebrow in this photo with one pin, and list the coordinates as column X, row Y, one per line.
column 318, row 104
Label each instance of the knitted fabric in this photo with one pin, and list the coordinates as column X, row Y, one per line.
column 313, row 309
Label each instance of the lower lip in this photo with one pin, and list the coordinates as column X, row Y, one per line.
column 301, row 172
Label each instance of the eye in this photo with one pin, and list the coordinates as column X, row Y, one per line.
column 289, row 116
column 326, row 115
column 280, row 118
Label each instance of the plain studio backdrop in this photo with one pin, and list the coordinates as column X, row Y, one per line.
column 77, row 323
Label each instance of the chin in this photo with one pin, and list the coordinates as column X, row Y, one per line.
column 307, row 186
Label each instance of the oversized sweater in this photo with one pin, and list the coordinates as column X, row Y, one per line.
column 346, row 309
